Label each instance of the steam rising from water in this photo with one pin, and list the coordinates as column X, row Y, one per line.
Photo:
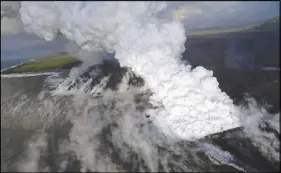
column 111, row 132
column 143, row 41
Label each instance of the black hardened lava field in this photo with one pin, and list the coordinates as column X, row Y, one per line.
column 140, row 86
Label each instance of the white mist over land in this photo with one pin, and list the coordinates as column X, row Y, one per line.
column 148, row 38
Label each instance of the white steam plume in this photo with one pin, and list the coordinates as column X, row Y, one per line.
column 31, row 162
column 193, row 104
column 267, row 142
column 88, row 58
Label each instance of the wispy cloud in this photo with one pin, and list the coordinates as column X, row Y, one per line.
column 10, row 20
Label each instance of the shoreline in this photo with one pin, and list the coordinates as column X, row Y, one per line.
column 40, row 69
column 14, row 75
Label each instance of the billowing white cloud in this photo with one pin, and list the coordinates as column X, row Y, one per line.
column 143, row 41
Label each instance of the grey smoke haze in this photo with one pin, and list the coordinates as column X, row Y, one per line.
column 10, row 20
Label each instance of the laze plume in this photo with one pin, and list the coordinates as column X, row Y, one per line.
column 193, row 104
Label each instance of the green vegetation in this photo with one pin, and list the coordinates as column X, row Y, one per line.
column 43, row 63
column 214, row 32
column 221, row 30
column 272, row 23
column 273, row 20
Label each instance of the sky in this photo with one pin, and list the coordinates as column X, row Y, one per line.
column 15, row 43
column 26, row 46
column 212, row 14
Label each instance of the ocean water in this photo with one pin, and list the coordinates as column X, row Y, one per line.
column 6, row 63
